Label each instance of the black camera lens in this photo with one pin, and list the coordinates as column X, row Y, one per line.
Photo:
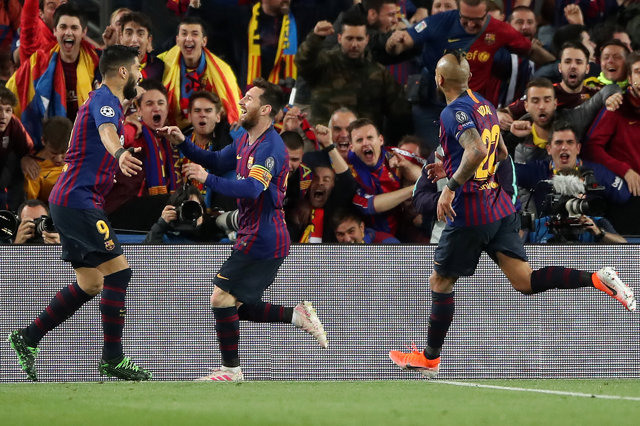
column 44, row 224
column 189, row 211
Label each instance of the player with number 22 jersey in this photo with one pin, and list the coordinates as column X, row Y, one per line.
column 481, row 199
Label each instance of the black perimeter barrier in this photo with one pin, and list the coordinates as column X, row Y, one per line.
column 371, row 299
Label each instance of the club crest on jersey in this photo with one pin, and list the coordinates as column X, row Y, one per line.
column 107, row 111
column 269, row 163
column 420, row 26
column 490, row 38
column 250, row 162
column 109, row 245
column 462, row 117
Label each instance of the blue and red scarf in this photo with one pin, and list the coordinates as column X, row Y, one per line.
column 158, row 164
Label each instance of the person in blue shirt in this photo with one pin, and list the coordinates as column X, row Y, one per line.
column 76, row 205
column 261, row 164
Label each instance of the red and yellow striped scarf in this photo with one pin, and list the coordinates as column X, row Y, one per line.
column 287, row 46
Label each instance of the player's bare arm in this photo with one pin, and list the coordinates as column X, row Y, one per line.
column 129, row 164
column 474, row 152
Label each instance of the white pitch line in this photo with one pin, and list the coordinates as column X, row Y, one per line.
column 552, row 392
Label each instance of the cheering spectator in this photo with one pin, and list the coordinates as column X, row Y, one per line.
column 612, row 141
column 349, row 228
column 15, row 146
column 56, row 81
column 344, row 76
column 190, row 67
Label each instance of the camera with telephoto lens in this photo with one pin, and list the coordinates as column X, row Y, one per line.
column 43, row 223
column 570, row 198
column 189, row 211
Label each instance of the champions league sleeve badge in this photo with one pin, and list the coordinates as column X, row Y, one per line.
column 461, row 117
column 269, row 163
column 107, row 111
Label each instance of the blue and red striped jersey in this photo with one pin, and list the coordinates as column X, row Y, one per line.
column 262, row 229
column 89, row 170
column 481, row 200
column 262, row 169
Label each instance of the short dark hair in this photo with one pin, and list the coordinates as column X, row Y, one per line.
column 271, row 95
column 540, row 82
column 116, row 56
column 520, row 8
column 203, row 94
column 7, row 97
column 559, row 126
column 31, row 203
column 139, row 18
column 193, row 20
column 376, row 4
column 183, row 193
column 153, row 84
column 292, row 140
column 69, row 9
column 343, row 214
column 632, row 58
column 614, row 42
column 571, row 32
column 353, row 18
column 574, row 45
column 56, row 132
column 361, row 122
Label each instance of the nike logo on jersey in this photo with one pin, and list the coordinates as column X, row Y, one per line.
column 221, row 277
column 453, row 40
column 238, row 157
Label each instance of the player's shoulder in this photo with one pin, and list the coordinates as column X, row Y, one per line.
column 105, row 102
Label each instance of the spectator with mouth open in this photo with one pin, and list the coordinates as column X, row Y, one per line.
column 158, row 176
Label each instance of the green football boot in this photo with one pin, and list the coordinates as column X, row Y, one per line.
column 124, row 369
column 26, row 354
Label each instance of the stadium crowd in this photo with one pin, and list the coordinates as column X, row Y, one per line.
column 362, row 121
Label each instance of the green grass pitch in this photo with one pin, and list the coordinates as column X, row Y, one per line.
column 411, row 402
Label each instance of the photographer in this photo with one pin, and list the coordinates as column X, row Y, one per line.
column 36, row 226
column 183, row 220
column 571, row 194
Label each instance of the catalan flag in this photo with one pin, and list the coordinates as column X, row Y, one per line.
column 216, row 76
column 41, row 90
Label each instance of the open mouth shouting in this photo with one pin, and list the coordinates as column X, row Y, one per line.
column 157, row 120
column 189, row 48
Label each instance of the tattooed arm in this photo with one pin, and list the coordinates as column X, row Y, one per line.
column 474, row 152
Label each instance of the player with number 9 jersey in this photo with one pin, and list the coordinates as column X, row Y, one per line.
column 480, row 200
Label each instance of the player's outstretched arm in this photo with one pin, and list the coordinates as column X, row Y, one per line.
column 129, row 165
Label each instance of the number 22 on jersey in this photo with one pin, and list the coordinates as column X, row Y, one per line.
column 487, row 168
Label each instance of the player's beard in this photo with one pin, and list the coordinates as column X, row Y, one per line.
column 129, row 92
column 250, row 120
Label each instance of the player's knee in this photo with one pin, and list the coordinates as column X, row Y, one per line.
column 92, row 288
column 441, row 284
column 521, row 284
column 221, row 299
